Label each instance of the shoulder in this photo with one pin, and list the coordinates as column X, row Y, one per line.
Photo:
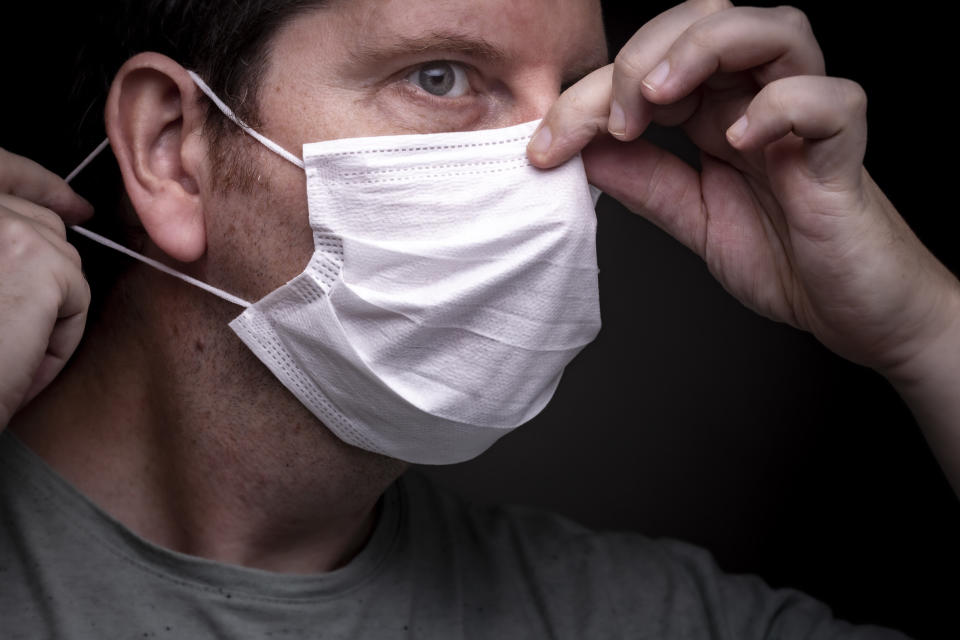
column 616, row 580
column 499, row 527
column 538, row 533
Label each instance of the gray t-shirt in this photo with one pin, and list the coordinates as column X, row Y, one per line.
column 435, row 567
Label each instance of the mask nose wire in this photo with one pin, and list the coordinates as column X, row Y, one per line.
column 107, row 242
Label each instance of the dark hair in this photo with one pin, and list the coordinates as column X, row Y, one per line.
column 225, row 42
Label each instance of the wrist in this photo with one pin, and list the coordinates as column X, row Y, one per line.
column 931, row 359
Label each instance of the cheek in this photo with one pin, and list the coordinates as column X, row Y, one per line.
column 260, row 239
column 285, row 238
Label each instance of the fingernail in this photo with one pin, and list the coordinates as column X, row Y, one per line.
column 541, row 141
column 617, row 124
column 657, row 77
column 737, row 129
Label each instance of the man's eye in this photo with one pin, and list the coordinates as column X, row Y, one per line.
column 443, row 79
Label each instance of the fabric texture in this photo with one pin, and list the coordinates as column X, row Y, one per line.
column 435, row 567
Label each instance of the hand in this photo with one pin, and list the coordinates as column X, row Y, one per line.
column 43, row 295
column 783, row 212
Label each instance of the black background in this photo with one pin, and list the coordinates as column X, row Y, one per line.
column 691, row 417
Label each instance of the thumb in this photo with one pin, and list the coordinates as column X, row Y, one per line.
column 26, row 179
column 577, row 117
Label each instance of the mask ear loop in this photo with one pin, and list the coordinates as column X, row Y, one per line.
column 227, row 111
column 96, row 237
column 87, row 160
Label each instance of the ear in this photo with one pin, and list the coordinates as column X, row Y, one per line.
column 151, row 116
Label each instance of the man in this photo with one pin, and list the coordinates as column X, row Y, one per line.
column 184, row 451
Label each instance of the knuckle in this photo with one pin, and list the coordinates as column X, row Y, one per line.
column 699, row 36
column 31, row 211
column 588, row 129
column 16, row 228
column 853, row 96
column 776, row 103
column 796, row 18
column 18, row 240
column 571, row 109
column 628, row 65
column 55, row 222
column 707, row 7
column 580, row 121
column 85, row 293
column 73, row 255
column 775, row 96
column 574, row 118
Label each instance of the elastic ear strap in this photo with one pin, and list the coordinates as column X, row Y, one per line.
column 96, row 237
column 227, row 111
column 87, row 160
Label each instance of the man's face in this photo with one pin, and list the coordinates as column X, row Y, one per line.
column 354, row 68
column 377, row 67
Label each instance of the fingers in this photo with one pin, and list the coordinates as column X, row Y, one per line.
column 35, row 212
column 67, row 328
column 829, row 112
column 44, row 306
column 630, row 112
column 654, row 77
column 26, row 179
column 584, row 110
column 31, row 250
column 48, row 223
column 578, row 115
column 771, row 43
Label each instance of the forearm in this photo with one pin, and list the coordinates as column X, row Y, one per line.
column 930, row 385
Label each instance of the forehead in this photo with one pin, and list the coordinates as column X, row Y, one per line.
column 515, row 32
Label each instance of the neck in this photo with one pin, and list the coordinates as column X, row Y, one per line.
column 173, row 428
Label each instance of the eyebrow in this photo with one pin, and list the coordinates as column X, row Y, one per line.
column 436, row 41
column 454, row 42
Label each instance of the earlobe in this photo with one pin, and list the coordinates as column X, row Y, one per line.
column 151, row 112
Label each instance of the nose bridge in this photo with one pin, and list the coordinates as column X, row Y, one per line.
column 536, row 92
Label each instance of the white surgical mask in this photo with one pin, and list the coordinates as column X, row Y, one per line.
column 451, row 283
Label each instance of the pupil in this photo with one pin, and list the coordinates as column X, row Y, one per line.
column 438, row 78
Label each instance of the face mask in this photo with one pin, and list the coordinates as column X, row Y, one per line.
column 451, row 283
